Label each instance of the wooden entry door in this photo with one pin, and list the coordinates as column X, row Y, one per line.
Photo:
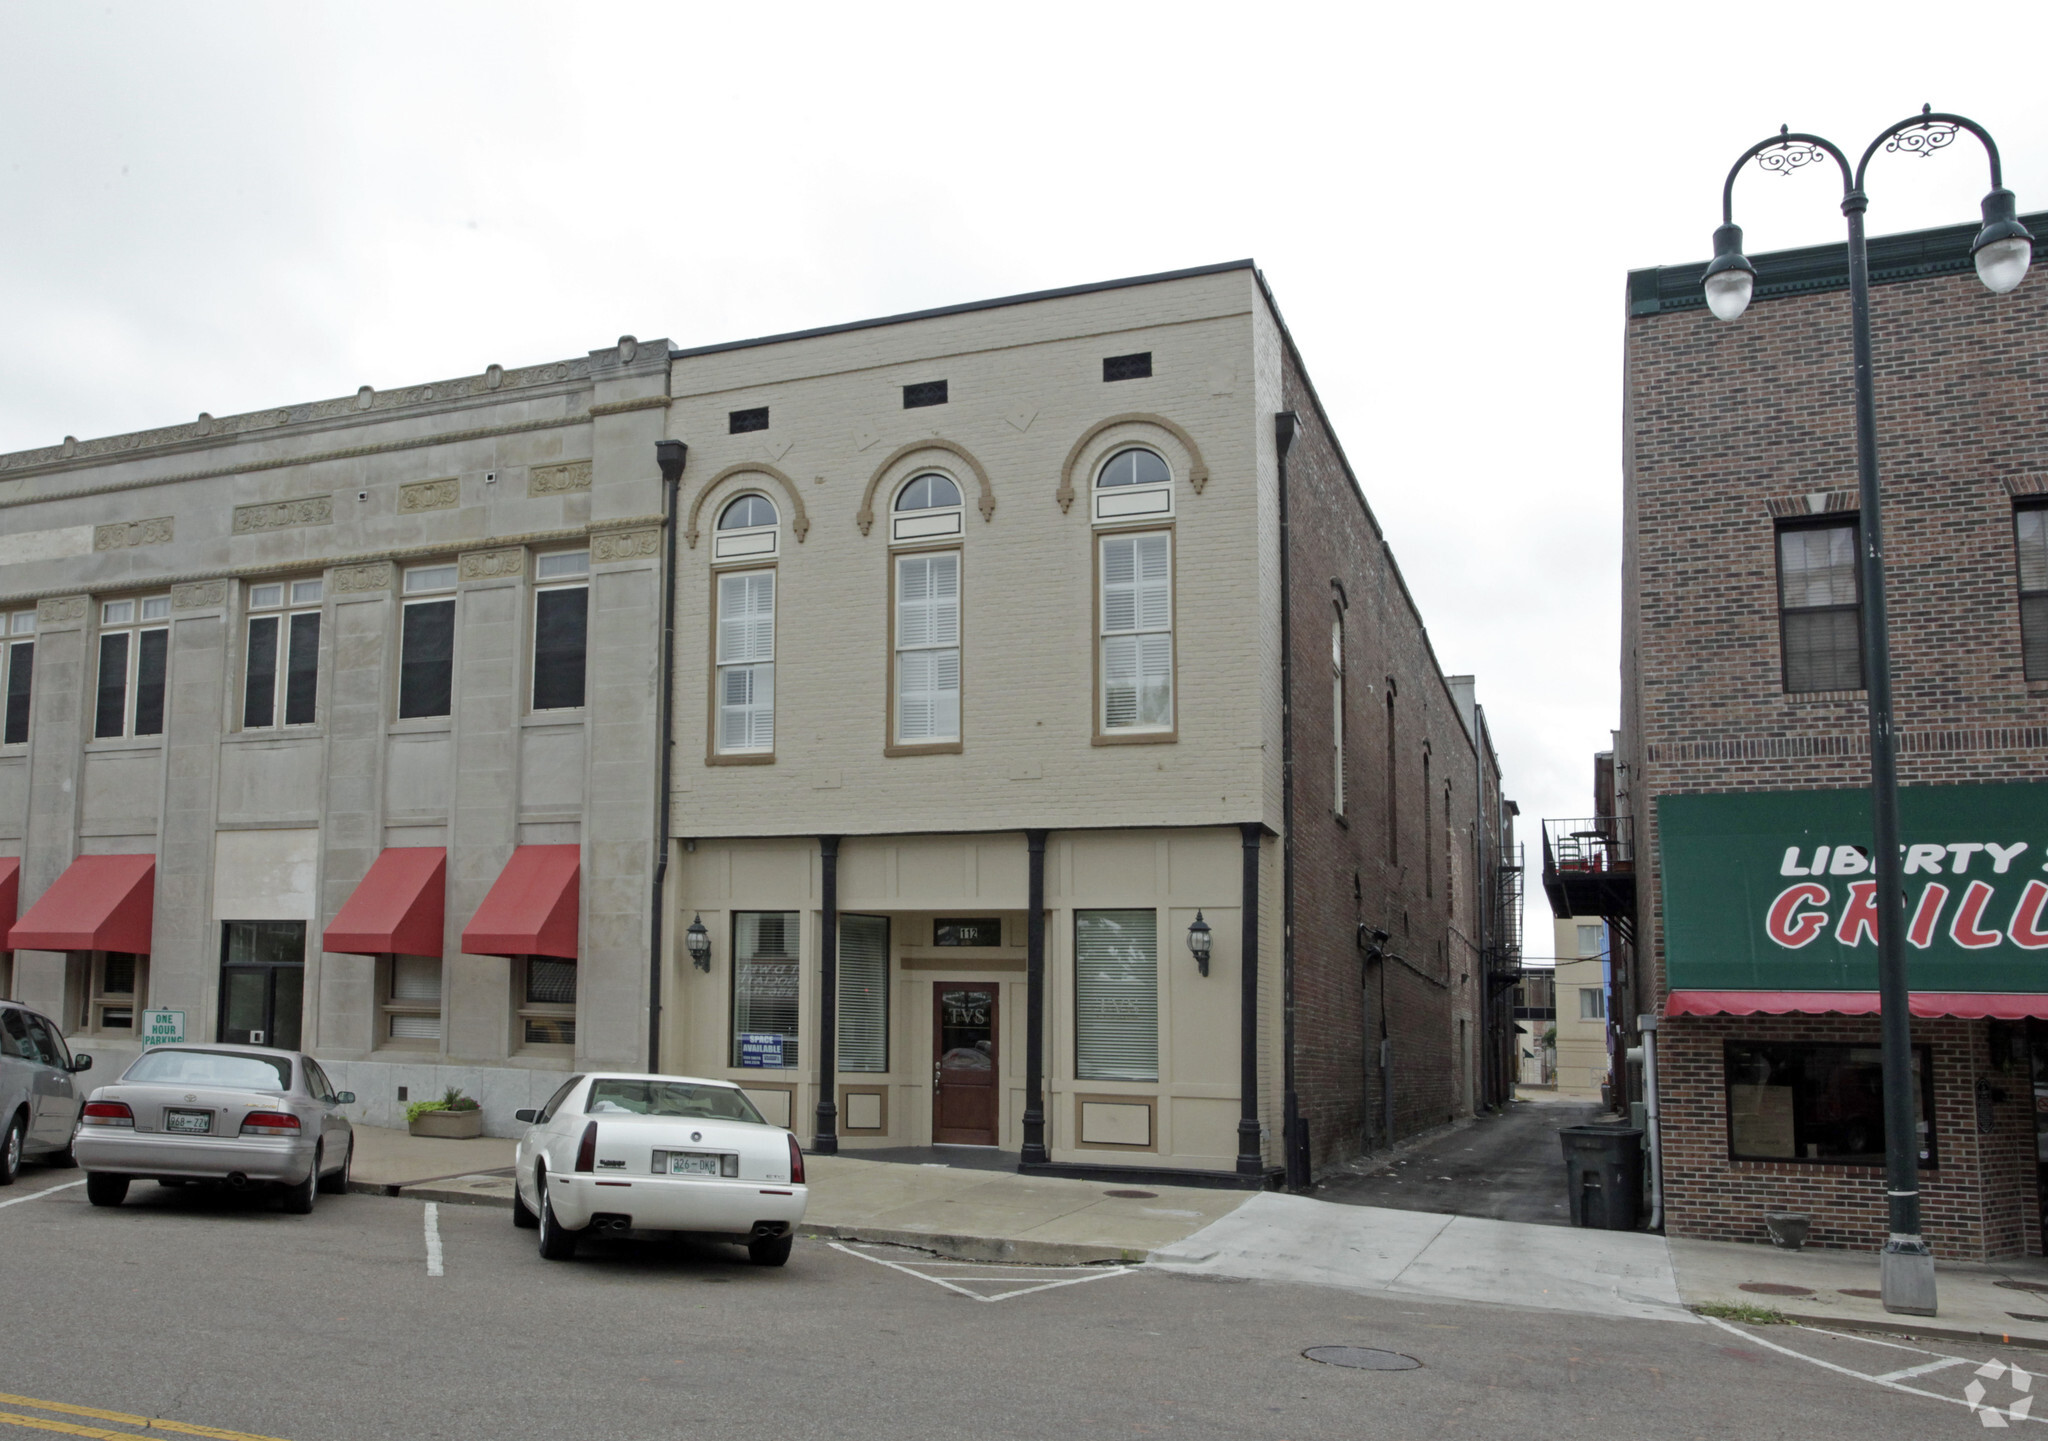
column 964, row 1065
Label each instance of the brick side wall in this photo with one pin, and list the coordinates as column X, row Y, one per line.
column 1345, row 869
column 1726, row 428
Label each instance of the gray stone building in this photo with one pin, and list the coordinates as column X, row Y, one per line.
column 334, row 725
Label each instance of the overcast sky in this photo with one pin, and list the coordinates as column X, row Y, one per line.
column 227, row 207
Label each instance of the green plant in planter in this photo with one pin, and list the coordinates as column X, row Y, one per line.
column 453, row 1100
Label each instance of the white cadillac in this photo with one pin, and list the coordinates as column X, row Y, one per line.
column 615, row 1153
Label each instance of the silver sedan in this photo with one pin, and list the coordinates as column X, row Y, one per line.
column 243, row 1115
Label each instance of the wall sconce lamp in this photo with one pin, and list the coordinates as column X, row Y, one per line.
column 698, row 940
column 1198, row 942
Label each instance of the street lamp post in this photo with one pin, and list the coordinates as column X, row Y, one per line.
column 2002, row 251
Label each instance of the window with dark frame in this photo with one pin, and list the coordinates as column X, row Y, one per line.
column 134, row 663
column 2030, row 533
column 766, row 983
column 18, row 659
column 739, row 422
column 863, row 994
column 1819, row 607
column 1817, row 1102
column 561, row 629
column 1127, row 367
column 925, row 392
column 547, row 1002
column 426, row 644
column 281, row 669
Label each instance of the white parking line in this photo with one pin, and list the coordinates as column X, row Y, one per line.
column 2017, row 1413
column 1942, row 1365
column 433, row 1224
column 1094, row 1275
column 38, row 1195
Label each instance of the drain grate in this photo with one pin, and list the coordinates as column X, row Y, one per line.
column 1361, row 1358
column 1133, row 1195
column 1773, row 1288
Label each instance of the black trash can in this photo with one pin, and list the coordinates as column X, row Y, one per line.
column 1603, row 1167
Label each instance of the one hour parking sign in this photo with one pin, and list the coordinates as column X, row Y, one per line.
column 162, row 1028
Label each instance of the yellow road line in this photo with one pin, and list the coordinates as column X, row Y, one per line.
column 148, row 1423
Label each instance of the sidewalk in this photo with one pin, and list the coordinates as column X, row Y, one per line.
column 973, row 1214
column 1839, row 1289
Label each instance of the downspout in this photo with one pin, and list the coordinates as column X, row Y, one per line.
column 1648, row 1026
column 671, row 456
column 1294, row 1140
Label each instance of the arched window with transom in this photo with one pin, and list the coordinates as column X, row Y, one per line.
column 747, row 527
column 928, row 506
column 1132, row 483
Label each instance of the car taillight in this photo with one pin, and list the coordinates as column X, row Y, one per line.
column 586, row 1150
column 107, row 1113
column 269, row 1123
column 796, row 1163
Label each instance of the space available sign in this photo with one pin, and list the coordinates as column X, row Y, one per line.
column 1773, row 891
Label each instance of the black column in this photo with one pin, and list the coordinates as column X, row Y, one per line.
column 1250, row 1158
column 1034, row 1006
column 826, row 1141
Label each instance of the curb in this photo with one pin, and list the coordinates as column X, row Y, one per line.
column 1907, row 1328
column 428, row 1193
column 982, row 1248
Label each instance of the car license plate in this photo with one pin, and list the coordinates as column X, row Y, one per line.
column 680, row 1164
column 191, row 1123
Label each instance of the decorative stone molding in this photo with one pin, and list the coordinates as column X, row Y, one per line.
column 621, row 407
column 363, row 579
column 126, row 535
column 1198, row 469
column 800, row 519
column 625, row 545
column 866, row 517
column 443, row 494
column 494, row 564
column 284, row 514
column 60, row 610
column 199, row 595
column 558, row 479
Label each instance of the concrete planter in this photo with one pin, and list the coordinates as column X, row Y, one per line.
column 449, row 1125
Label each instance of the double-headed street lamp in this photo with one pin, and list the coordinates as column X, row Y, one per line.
column 2002, row 251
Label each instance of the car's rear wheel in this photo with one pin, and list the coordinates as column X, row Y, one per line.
column 298, row 1200
column 10, row 1148
column 104, row 1190
column 774, row 1251
column 557, row 1242
column 335, row 1182
column 522, row 1214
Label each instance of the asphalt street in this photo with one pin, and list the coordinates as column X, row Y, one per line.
column 377, row 1317
column 1506, row 1167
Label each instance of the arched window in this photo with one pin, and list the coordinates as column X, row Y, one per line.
column 1393, row 788
column 1133, row 482
column 1428, row 862
column 748, row 526
column 926, row 507
column 1450, row 857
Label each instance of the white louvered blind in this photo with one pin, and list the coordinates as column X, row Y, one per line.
column 927, row 648
column 765, row 979
column 415, row 978
column 1137, row 632
column 863, row 993
column 1116, row 995
column 416, row 1027
column 746, row 661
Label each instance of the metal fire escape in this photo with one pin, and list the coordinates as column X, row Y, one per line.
column 1589, row 869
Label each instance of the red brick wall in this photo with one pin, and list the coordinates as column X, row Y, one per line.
column 1345, row 870
column 1978, row 1202
column 1725, row 427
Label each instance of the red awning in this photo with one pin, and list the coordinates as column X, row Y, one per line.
column 100, row 903
column 397, row 906
column 531, row 910
column 1963, row 1005
column 10, row 895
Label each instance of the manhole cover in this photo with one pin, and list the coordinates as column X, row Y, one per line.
column 1865, row 1295
column 1773, row 1288
column 1133, row 1195
column 1361, row 1358
column 2034, row 1286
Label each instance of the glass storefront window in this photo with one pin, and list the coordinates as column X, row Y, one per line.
column 1809, row 1101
